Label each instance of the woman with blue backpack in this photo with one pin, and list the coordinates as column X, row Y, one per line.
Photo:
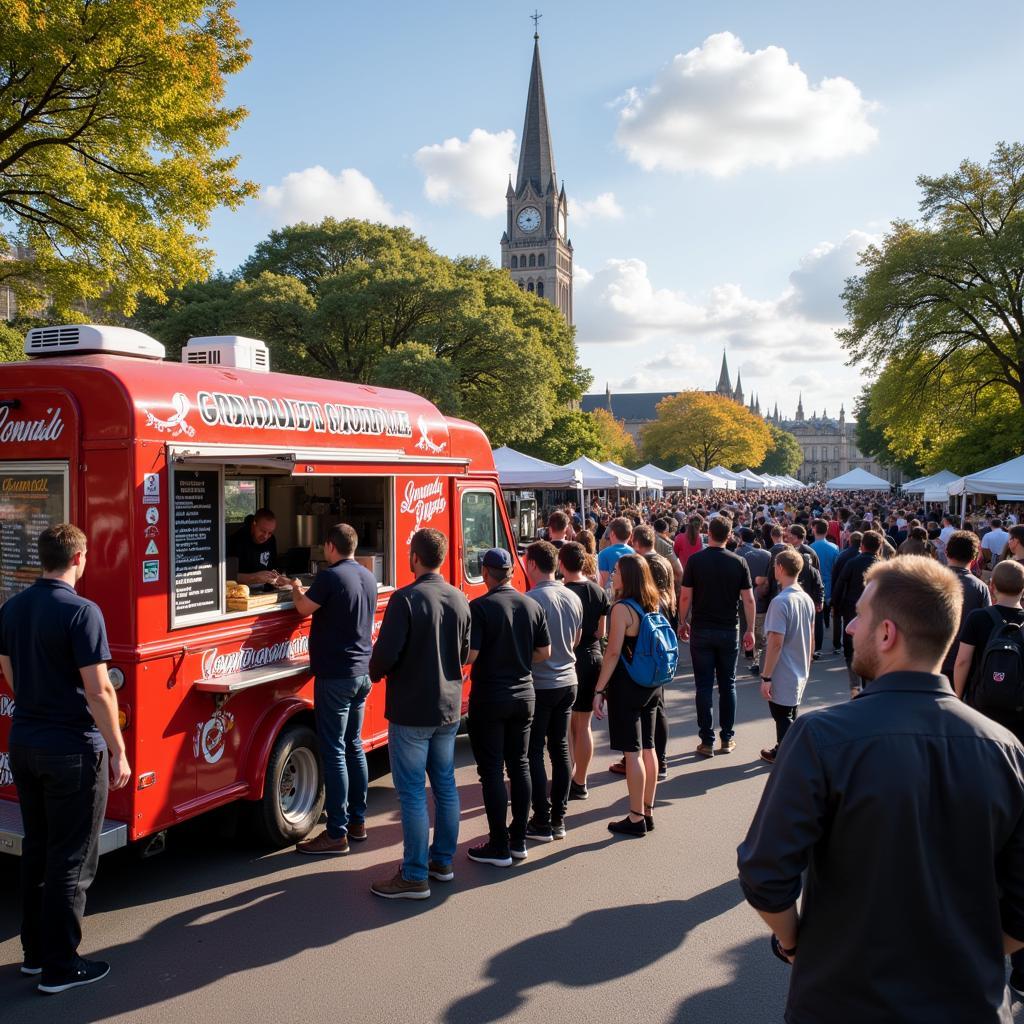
column 640, row 658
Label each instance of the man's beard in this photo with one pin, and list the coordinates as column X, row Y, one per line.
column 865, row 664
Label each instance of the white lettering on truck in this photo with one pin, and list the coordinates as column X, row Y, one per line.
column 46, row 428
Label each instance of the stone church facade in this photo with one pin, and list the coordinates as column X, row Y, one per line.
column 535, row 246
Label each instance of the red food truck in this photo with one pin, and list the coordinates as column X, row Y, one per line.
column 160, row 463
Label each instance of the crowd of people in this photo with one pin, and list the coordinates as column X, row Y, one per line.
column 916, row 605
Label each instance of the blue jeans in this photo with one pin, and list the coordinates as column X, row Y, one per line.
column 418, row 752
column 714, row 653
column 339, row 705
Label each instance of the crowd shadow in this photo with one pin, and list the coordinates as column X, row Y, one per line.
column 596, row 947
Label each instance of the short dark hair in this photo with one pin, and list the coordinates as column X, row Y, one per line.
column 820, row 527
column 660, row 525
column 798, row 531
column 430, row 547
column 791, row 560
column 1008, row 578
column 558, row 521
column 343, row 538
column 572, row 556
column 644, row 535
column 621, row 528
column 264, row 513
column 58, row 546
column 855, row 538
column 871, row 542
column 719, row 529
column 963, row 546
column 543, row 555
column 997, row 523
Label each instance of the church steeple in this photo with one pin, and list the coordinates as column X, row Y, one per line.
column 536, row 154
column 800, row 409
column 738, row 393
column 724, row 387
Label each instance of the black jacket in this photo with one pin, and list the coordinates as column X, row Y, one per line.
column 422, row 646
column 846, row 590
column 901, row 816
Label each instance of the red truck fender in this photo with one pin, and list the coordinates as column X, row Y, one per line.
column 265, row 736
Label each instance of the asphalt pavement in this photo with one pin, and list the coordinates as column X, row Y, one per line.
column 592, row 928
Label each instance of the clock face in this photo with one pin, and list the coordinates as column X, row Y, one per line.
column 528, row 219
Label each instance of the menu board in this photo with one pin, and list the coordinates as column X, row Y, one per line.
column 197, row 542
column 30, row 501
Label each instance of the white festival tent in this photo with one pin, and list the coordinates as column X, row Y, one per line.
column 640, row 481
column 705, row 481
column 518, row 470
column 599, row 478
column 1005, row 481
column 934, row 487
column 670, row 481
column 752, row 478
column 858, row 480
column 796, row 483
column 777, row 483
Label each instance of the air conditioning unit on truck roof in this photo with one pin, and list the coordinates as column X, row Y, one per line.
column 227, row 350
column 78, row 339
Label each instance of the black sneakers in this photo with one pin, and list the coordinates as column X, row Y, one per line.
column 487, row 854
column 538, row 831
column 578, row 791
column 85, row 973
column 626, row 827
column 1016, row 984
column 558, row 829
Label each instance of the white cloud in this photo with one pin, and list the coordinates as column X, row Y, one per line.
column 603, row 207
column 720, row 108
column 472, row 174
column 315, row 193
column 643, row 337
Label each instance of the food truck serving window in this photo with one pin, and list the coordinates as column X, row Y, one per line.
column 220, row 524
column 33, row 496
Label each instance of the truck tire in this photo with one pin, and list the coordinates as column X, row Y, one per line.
column 293, row 790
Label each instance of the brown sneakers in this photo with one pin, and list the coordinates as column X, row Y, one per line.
column 400, row 888
column 357, row 831
column 705, row 750
column 323, row 844
column 726, row 747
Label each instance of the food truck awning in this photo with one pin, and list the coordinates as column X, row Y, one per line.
column 302, row 461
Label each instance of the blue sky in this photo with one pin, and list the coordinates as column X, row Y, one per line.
column 724, row 162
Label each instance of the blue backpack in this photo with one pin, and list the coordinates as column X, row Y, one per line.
column 656, row 653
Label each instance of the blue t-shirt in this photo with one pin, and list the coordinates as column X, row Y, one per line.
column 50, row 632
column 609, row 557
column 827, row 554
column 340, row 635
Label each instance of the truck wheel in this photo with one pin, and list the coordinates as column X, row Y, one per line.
column 293, row 791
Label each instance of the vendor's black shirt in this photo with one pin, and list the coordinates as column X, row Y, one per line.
column 717, row 577
column 422, row 646
column 341, row 630
column 50, row 632
column 595, row 607
column 252, row 557
column 506, row 628
column 905, row 809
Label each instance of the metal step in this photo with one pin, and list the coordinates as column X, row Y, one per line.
column 113, row 834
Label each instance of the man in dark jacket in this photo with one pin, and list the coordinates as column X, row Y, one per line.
column 879, row 803
column 961, row 550
column 846, row 593
column 851, row 550
column 422, row 646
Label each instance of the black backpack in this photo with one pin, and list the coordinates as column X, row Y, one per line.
column 998, row 684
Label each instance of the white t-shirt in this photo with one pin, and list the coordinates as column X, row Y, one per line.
column 995, row 542
column 947, row 532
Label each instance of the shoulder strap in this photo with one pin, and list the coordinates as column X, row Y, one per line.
column 630, row 603
column 993, row 611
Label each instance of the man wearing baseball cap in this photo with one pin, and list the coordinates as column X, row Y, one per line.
column 508, row 633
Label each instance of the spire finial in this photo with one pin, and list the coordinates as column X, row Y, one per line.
column 535, row 18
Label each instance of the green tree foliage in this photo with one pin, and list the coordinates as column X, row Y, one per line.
column 111, row 126
column 872, row 440
column 570, row 435
column 705, row 430
column 345, row 299
column 950, row 288
column 785, row 454
column 11, row 344
column 617, row 444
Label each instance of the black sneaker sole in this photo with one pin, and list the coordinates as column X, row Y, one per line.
column 52, row 990
column 401, row 895
column 502, row 862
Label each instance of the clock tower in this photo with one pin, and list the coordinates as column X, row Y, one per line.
column 535, row 246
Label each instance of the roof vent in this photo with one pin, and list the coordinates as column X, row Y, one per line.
column 227, row 350
column 77, row 339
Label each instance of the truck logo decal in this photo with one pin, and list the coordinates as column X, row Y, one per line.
column 210, row 736
column 6, row 706
column 46, row 428
column 425, row 444
column 216, row 664
column 6, row 775
column 177, row 424
column 423, row 502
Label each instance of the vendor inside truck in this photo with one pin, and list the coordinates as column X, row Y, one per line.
column 255, row 547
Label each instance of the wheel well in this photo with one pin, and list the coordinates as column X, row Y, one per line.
column 276, row 720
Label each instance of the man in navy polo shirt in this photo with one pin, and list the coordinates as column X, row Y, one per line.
column 53, row 651
column 342, row 600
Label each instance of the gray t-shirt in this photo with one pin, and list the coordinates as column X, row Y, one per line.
column 791, row 613
column 563, row 611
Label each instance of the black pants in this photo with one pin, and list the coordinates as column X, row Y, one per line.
column 820, row 622
column 661, row 731
column 62, row 797
column 499, row 733
column 550, row 728
column 837, row 628
column 784, row 716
